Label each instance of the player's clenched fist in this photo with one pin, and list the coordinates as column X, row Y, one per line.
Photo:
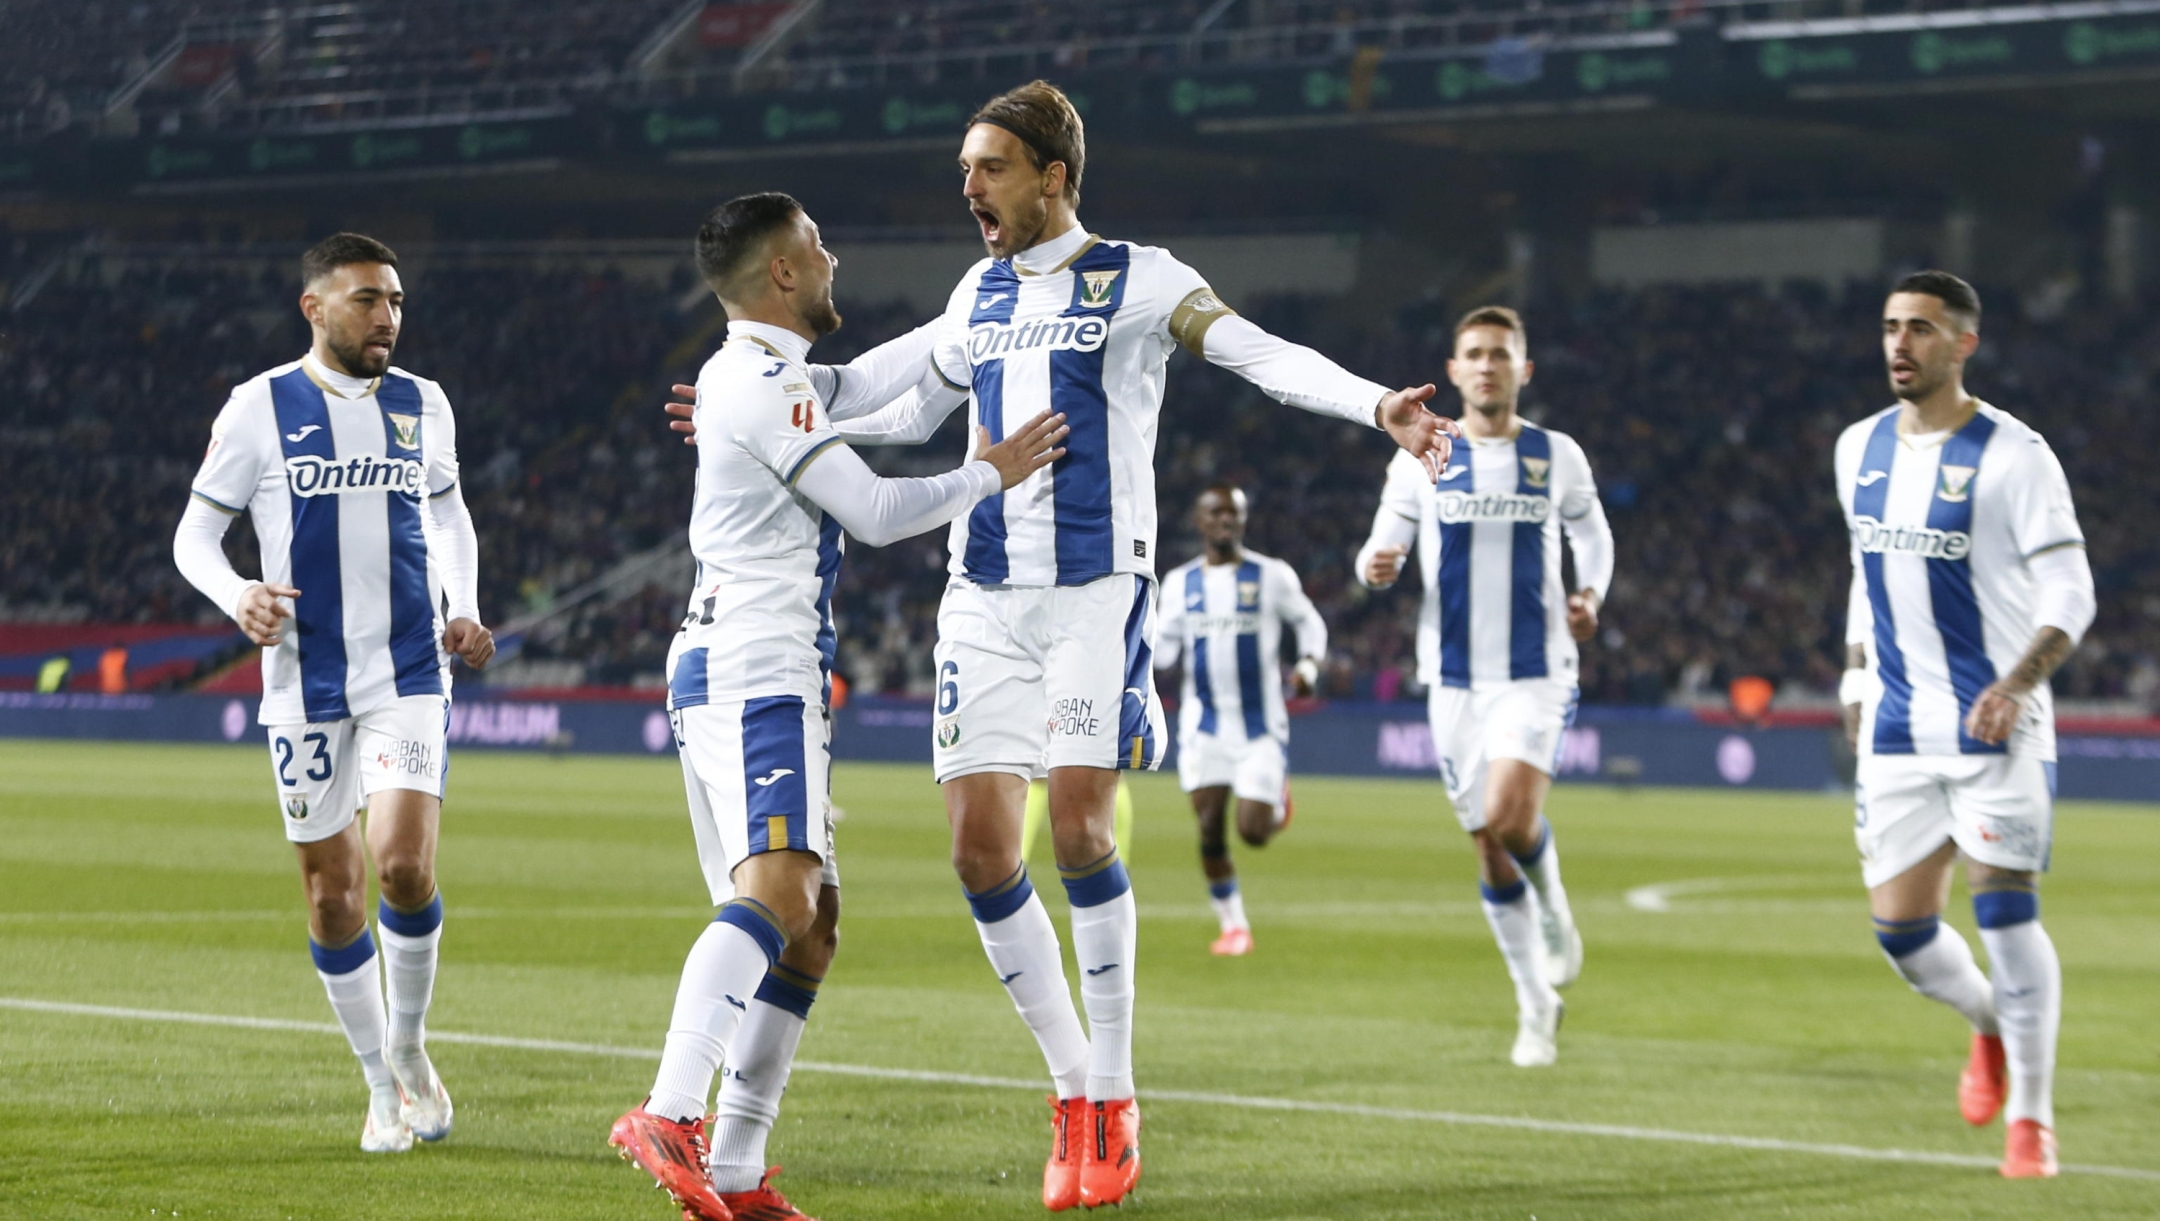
column 1032, row 447
column 470, row 641
column 1582, row 614
column 261, row 615
column 1385, row 566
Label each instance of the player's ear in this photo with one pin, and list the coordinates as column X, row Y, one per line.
column 311, row 307
column 1968, row 343
column 1529, row 367
column 1054, row 179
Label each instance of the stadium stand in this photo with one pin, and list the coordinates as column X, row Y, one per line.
column 1709, row 414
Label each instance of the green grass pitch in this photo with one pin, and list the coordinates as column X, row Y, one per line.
column 1755, row 1006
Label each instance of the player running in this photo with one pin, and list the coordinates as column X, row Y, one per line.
column 1045, row 632
column 1227, row 609
column 348, row 466
column 749, row 681
column 1970, row 586
column 1496, row 645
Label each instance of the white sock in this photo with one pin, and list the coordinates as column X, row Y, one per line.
column 1229, row 904
column 2028, row 1004
column 1541, row 867
column 1106, row 937
column 353, row 981
column 757, row 1074
column 1943, row 970
column 719, row 977
column 1513, row 916
column 1023, row 950
column 409, row 959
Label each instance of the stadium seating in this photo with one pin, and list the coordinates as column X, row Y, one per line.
column 1709, row 415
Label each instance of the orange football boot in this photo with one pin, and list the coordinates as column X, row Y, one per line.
column 1110, row 1156
column 674, row 1154
column 762, row 1203
column 2029, row 1153
column 1061, row 1174
column 1233, row 943
column 1981, row 1086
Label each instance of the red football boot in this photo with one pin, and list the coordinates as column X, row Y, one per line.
column 763, row 1203
column 2029, row 1153
column 1061, row 1174
column 674, row 1154
column 1234, row 943
column 1110, row 1156
column 1981, row 1086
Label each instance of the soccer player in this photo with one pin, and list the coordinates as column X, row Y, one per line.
column 1227, row 609
column 1970, row 586
column 1045, row 632
column 1496, row 645
column 348, row 466
column 749, row 682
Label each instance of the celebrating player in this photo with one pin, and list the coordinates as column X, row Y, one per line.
column 348, row 466
column 1970, row 586
column 1226, row 613
column 1045, row 633
column 749, row 681
column 1496, row 645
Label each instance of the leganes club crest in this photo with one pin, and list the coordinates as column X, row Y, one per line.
column 1095, row 287
column 407, row 428
column 1537, row 470
column 1956, row 484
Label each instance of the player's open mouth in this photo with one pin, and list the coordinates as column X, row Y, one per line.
column 989, row 223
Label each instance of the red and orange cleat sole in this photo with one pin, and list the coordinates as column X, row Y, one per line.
column 2029, row 1152
column 674, row 1154
column 762, row 1203
column 1061, row 1174
column 1234, row 943
column 1110, row 1157
column 1981, row 1086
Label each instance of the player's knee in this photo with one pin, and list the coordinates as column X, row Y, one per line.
column 2003, row 898
column 1256, row 825
column 337, row 912
column 981, row 870
column 407, row 878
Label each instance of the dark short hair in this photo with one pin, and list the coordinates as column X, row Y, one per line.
column 1958, row 298
column 1045, row 120
column 1494, row 315
column 341, row 250
column 736, row 229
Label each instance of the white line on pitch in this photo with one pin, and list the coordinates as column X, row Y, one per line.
column 1458, row 1118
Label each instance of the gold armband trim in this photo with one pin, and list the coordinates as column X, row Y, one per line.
column 1190, row 321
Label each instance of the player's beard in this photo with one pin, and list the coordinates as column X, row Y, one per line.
column 1925, row 382
column 354, row 355
column 821, row 316
column 1018, row 232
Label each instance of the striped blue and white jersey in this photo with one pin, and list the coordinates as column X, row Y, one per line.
column 332, row 470
column 1225, row 621
column 1488, row 543
column 760, row 620
column 1943, row 526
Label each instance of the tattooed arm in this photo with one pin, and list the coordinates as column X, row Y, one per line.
column 1995, row 713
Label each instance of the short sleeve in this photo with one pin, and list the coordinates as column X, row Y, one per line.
column 2042, row 516
column 1189, row 306
column 233, row 465
column 441, row 438
column 1578, row 486
column 785, row 430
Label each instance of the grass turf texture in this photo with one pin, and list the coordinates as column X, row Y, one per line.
column 1756, row 1006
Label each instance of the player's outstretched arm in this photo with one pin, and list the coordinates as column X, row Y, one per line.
column 881, row 511
column 455, row 547
column 878, row 376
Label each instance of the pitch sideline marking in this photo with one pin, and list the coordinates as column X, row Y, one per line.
column 1457, row 1118
column 1659, row 897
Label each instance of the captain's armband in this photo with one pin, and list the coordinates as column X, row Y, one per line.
column 1190, row 321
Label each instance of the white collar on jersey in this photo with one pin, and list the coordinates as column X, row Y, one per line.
column 787, row 343
column 344, row 385
column 1050, row 256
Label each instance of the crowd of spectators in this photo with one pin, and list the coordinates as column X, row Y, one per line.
column 1709, row 416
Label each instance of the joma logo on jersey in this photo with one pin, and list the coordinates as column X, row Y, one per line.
column 1875, row 538
column 1494, row 506
column 992, row 340
column 311, row 476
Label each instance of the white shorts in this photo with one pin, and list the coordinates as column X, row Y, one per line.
column 1031, row 678
column 326, row 770
column 1470, row 728
column 1999, row 809
column 759, row 777
column 1252, row 768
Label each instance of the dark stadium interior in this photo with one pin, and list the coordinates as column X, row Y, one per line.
column 1707, row 408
